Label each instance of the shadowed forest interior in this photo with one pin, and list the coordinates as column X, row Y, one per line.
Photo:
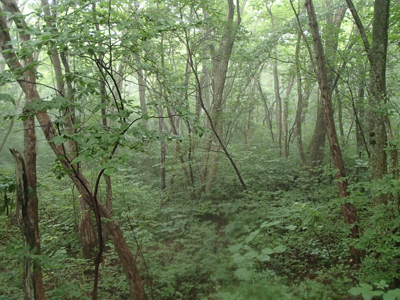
column 199, row 149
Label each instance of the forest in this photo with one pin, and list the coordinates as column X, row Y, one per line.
column 199, row 149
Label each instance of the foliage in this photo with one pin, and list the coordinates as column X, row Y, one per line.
column 283, row 238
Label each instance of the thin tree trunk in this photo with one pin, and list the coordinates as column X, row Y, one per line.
column 268, row 117
column 161, row 123
column 316, row 148
column 299, row 110
column 278, row 100
column 340, row 115
column 10, row 127
column 286, row 115
column 248, row 130
column 140, row 74
column 142, row 90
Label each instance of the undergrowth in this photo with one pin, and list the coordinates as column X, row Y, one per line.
column 283, row 239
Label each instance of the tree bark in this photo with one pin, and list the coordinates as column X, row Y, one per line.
column 220, row 63
column 87, row 233
column 377, row 130
column 28, row 86
column 299, row 110
column 317, row 144
column 349, row 211
column 27, row 215
column 318, row 141
column 379, row 123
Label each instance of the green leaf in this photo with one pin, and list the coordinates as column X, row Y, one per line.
column 269, row 224
column 238, row 259
column 382, row 284
column 280, row 249
column 392, row 295
column 243, row 274
column 251, row 254
column 267, row 251
column 251, row 236
column 58, row 140
column 109, row 171
column 235, row 248
column 263, row 257
column 78, row 159
column 7, row 97
column 366, row 287
column 366, row 291
column 368, row 295
column 356, row 291
column 291, row 227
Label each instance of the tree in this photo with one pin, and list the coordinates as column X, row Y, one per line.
column 220, row 61
column 26, row 169
column 379, row 124
column 89, row 195
column 278, row 100
column 348, row 209
column 87, row 234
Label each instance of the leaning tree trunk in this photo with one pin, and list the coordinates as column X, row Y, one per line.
column 267, row 116
column 317, row 144
column 220, row 63
column 87, row 233
column 349, row 211
column 28, row 84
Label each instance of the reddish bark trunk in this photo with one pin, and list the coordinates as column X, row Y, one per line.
column 27, row 215
column 349, row 211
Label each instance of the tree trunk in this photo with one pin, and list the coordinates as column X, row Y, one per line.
column 377, row 130
column 220, row 63
column 142, row 90
column 163, row 151
column 299, row 110
column 27, row 215
column 10, row 127
column 379, row 123
column 140, row 74
column 318, row 141
column 87, row 234
column 248, row 130
column 316, row 148
column 349, row 211
column 285, row 116
column 266, row 110
column 28, row 85
column 278, row 100
column 340, row 115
